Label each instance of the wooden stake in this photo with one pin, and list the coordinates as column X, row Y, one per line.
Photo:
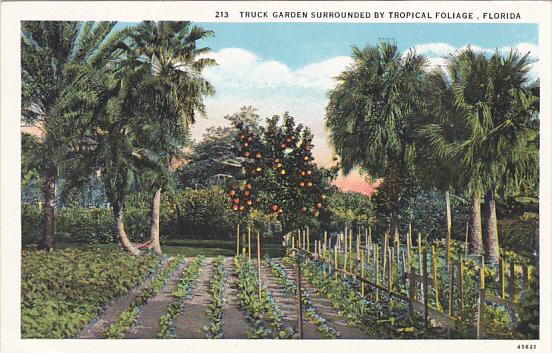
column 449, row 227
column 461, row 285
column 481, row 298
column 325, row 241
column 425, row 289
column 384, row 254
column 249, row 240
column 451, row 288
column 390, row 274
column 335, row 263
column 511, row 284
column 238, row 240
column 501, row 285
column 308, row 239
column 362, row 272
column 358, row 245
column 299, row 239
column 293, row 244
column 420, row 252
column 466, row 239
column 376, row 264
column 345, row 262
column 259, row 262
column 435, row 283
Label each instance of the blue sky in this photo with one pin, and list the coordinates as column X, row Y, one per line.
column 298, row 44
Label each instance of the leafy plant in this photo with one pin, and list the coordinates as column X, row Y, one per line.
column 261, row 310
column 128, row 317
column 63, row 290
column 216, row 288
column 182, row 292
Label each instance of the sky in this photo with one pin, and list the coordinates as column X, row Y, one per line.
column 279, row 67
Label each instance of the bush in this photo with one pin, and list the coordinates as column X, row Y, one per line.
column 188, row 214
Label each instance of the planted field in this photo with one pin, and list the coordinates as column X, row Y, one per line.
column 62, row 291
column 107, row 294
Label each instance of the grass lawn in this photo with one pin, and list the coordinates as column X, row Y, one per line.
column 193, row 247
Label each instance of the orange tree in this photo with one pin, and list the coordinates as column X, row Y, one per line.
column 280, row 176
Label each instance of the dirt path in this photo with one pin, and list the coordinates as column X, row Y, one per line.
column 189, row 323
column 147, row 325
column 287, row 304
column 324, row 308
column 96, row 329
column 234, row 324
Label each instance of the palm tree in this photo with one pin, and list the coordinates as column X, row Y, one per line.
column 53, row 57
column 171, row 95
column 371, row 116
column 495, row 132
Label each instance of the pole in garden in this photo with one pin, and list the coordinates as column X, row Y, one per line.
column 426, row 321
column 461, row 285
column 451, row 288
column 259, row 262
column 449, row 228
column 238, row 240
column 466, row 239
column 362, row 273
column 435, row 283
column 308, row 239
column 376, row 264
column 358, row 245
column 501, row 285
column 335, row 263
column 384, row 255
column 249, row 240
column 390, row 274
column 481, row 297
column 299, row 296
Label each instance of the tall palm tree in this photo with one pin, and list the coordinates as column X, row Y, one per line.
column 53, row 57
column 495, row 138
column 371, row 116
column 171, row 95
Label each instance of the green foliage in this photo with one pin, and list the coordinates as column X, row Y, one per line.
column 346, row 209
column 127, row 318
column 382, row 319
column 261, row 310
column 528, row 311
column 182, row 292
column 64, row 290
column 308, row 306
column 216, row 288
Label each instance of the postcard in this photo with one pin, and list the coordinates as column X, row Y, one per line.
column 235, row 176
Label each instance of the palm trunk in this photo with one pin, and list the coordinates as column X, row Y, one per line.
column 47, row 241
column 475, row 237
column 126, row 244
column 154, row 223
column 491, row 229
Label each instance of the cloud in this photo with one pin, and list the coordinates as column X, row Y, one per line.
column 438, row 49
column 241, row 69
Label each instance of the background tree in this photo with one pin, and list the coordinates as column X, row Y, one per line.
column 281, row 177
column 371, row 117
column 54, row 55
column 171, row 95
